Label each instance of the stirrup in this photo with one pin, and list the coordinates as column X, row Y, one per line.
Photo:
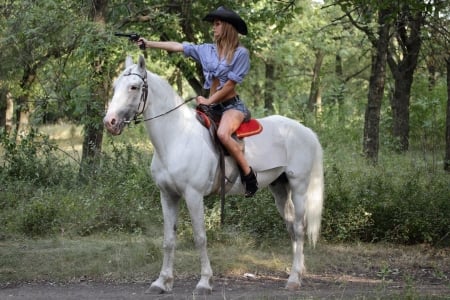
column 251, row 183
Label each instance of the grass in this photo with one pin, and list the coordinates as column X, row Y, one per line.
column 358, row 270
column 138, row 257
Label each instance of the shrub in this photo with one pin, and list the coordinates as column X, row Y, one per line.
column 397, row 203
column 32, row 158
column 38, row 218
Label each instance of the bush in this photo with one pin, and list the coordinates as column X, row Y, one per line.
column 33, row 158
column 38, row 218
column 402, row 200
column 396, row 203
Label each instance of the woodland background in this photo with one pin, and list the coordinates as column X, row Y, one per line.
column 370, row 77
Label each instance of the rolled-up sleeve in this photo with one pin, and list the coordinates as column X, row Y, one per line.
column 241, row 65
column 191, row 50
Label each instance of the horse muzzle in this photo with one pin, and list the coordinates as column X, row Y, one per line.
column 113, row 124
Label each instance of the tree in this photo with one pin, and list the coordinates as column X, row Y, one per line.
column 447, row 131
column 403, row 55
column 380, row 43
column 376, row 87
column 93, row 127
column 31, row 39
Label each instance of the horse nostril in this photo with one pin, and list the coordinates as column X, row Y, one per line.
column 113, row 121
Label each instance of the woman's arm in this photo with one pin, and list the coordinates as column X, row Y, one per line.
column 226, row 92
column 168, row 46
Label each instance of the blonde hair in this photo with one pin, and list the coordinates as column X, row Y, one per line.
column 228, row 41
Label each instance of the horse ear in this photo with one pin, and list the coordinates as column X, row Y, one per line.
column 141, row 62
column 128, row 61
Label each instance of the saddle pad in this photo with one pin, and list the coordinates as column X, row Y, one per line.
column 249, row 128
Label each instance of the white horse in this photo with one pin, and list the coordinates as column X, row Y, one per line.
column 286, row 155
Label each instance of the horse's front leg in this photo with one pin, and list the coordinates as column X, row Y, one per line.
column 170, row 207
column 194, row 202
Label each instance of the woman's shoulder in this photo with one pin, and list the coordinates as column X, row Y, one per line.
column 241, row 51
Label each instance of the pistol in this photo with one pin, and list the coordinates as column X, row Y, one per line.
column 134, row 37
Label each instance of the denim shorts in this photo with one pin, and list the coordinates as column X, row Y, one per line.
column 234, row 103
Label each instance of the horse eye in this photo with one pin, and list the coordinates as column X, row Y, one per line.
column 133, row 87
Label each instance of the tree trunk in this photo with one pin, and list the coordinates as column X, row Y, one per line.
column 314, row 93
column 3, row 107
column 6, row 110
column 269, row 87
column 21, row 108
column 339, row 92
column 402, row 66
column 447, row 130
column 93, row 128
column 376, row 89
column 400, row 108
column 92, row 143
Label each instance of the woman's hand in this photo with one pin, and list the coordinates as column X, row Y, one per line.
column 142, row 43
column 202, row 100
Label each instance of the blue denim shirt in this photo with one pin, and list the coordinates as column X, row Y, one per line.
column 213, row 67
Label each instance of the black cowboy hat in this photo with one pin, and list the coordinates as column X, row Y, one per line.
column 229, row 16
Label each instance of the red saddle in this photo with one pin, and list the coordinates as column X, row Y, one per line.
column 252, row 127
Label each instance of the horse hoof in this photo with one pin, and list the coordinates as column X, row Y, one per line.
column 155, row 290
column 202, row 291
column 293, row 286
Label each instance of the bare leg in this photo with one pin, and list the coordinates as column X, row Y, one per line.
column 164, row 283
column 231, row 119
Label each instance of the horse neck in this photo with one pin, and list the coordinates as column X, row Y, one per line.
column 167, row 122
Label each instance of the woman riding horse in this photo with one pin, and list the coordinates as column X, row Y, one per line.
column 225, row 63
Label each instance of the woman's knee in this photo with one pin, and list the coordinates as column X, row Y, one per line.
column 223, row 135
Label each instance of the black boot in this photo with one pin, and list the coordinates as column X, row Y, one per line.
column 250, row 182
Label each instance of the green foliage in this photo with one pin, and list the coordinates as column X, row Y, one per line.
column 395, row 202
column 38, row 218
column 41, row 192
column 257, row 215
column 31, row 158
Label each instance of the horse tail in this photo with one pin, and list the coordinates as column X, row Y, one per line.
column 314, row 199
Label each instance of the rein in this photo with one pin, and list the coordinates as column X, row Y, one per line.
column 137, row 119
column 167, row 112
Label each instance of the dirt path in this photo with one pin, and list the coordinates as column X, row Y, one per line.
column 314, row 287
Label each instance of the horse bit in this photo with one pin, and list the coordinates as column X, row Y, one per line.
column 144, row 102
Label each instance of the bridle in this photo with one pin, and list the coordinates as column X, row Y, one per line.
column 143, row 99
column 137, row 118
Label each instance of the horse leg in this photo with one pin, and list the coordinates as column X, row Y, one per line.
column 282, row 193
column 164, row 283
column 195, row 206
column 299, row 188
column 293, row 217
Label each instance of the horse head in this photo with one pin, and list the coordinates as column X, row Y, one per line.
column 129, row 97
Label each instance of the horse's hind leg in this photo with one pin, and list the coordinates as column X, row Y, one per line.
column 290, row 197
column 298, row 188
column 282, row 193
column 164, row 283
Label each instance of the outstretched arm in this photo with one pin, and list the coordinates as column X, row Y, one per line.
column 168, row 46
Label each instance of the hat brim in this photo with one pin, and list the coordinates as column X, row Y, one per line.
column 228, row 16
